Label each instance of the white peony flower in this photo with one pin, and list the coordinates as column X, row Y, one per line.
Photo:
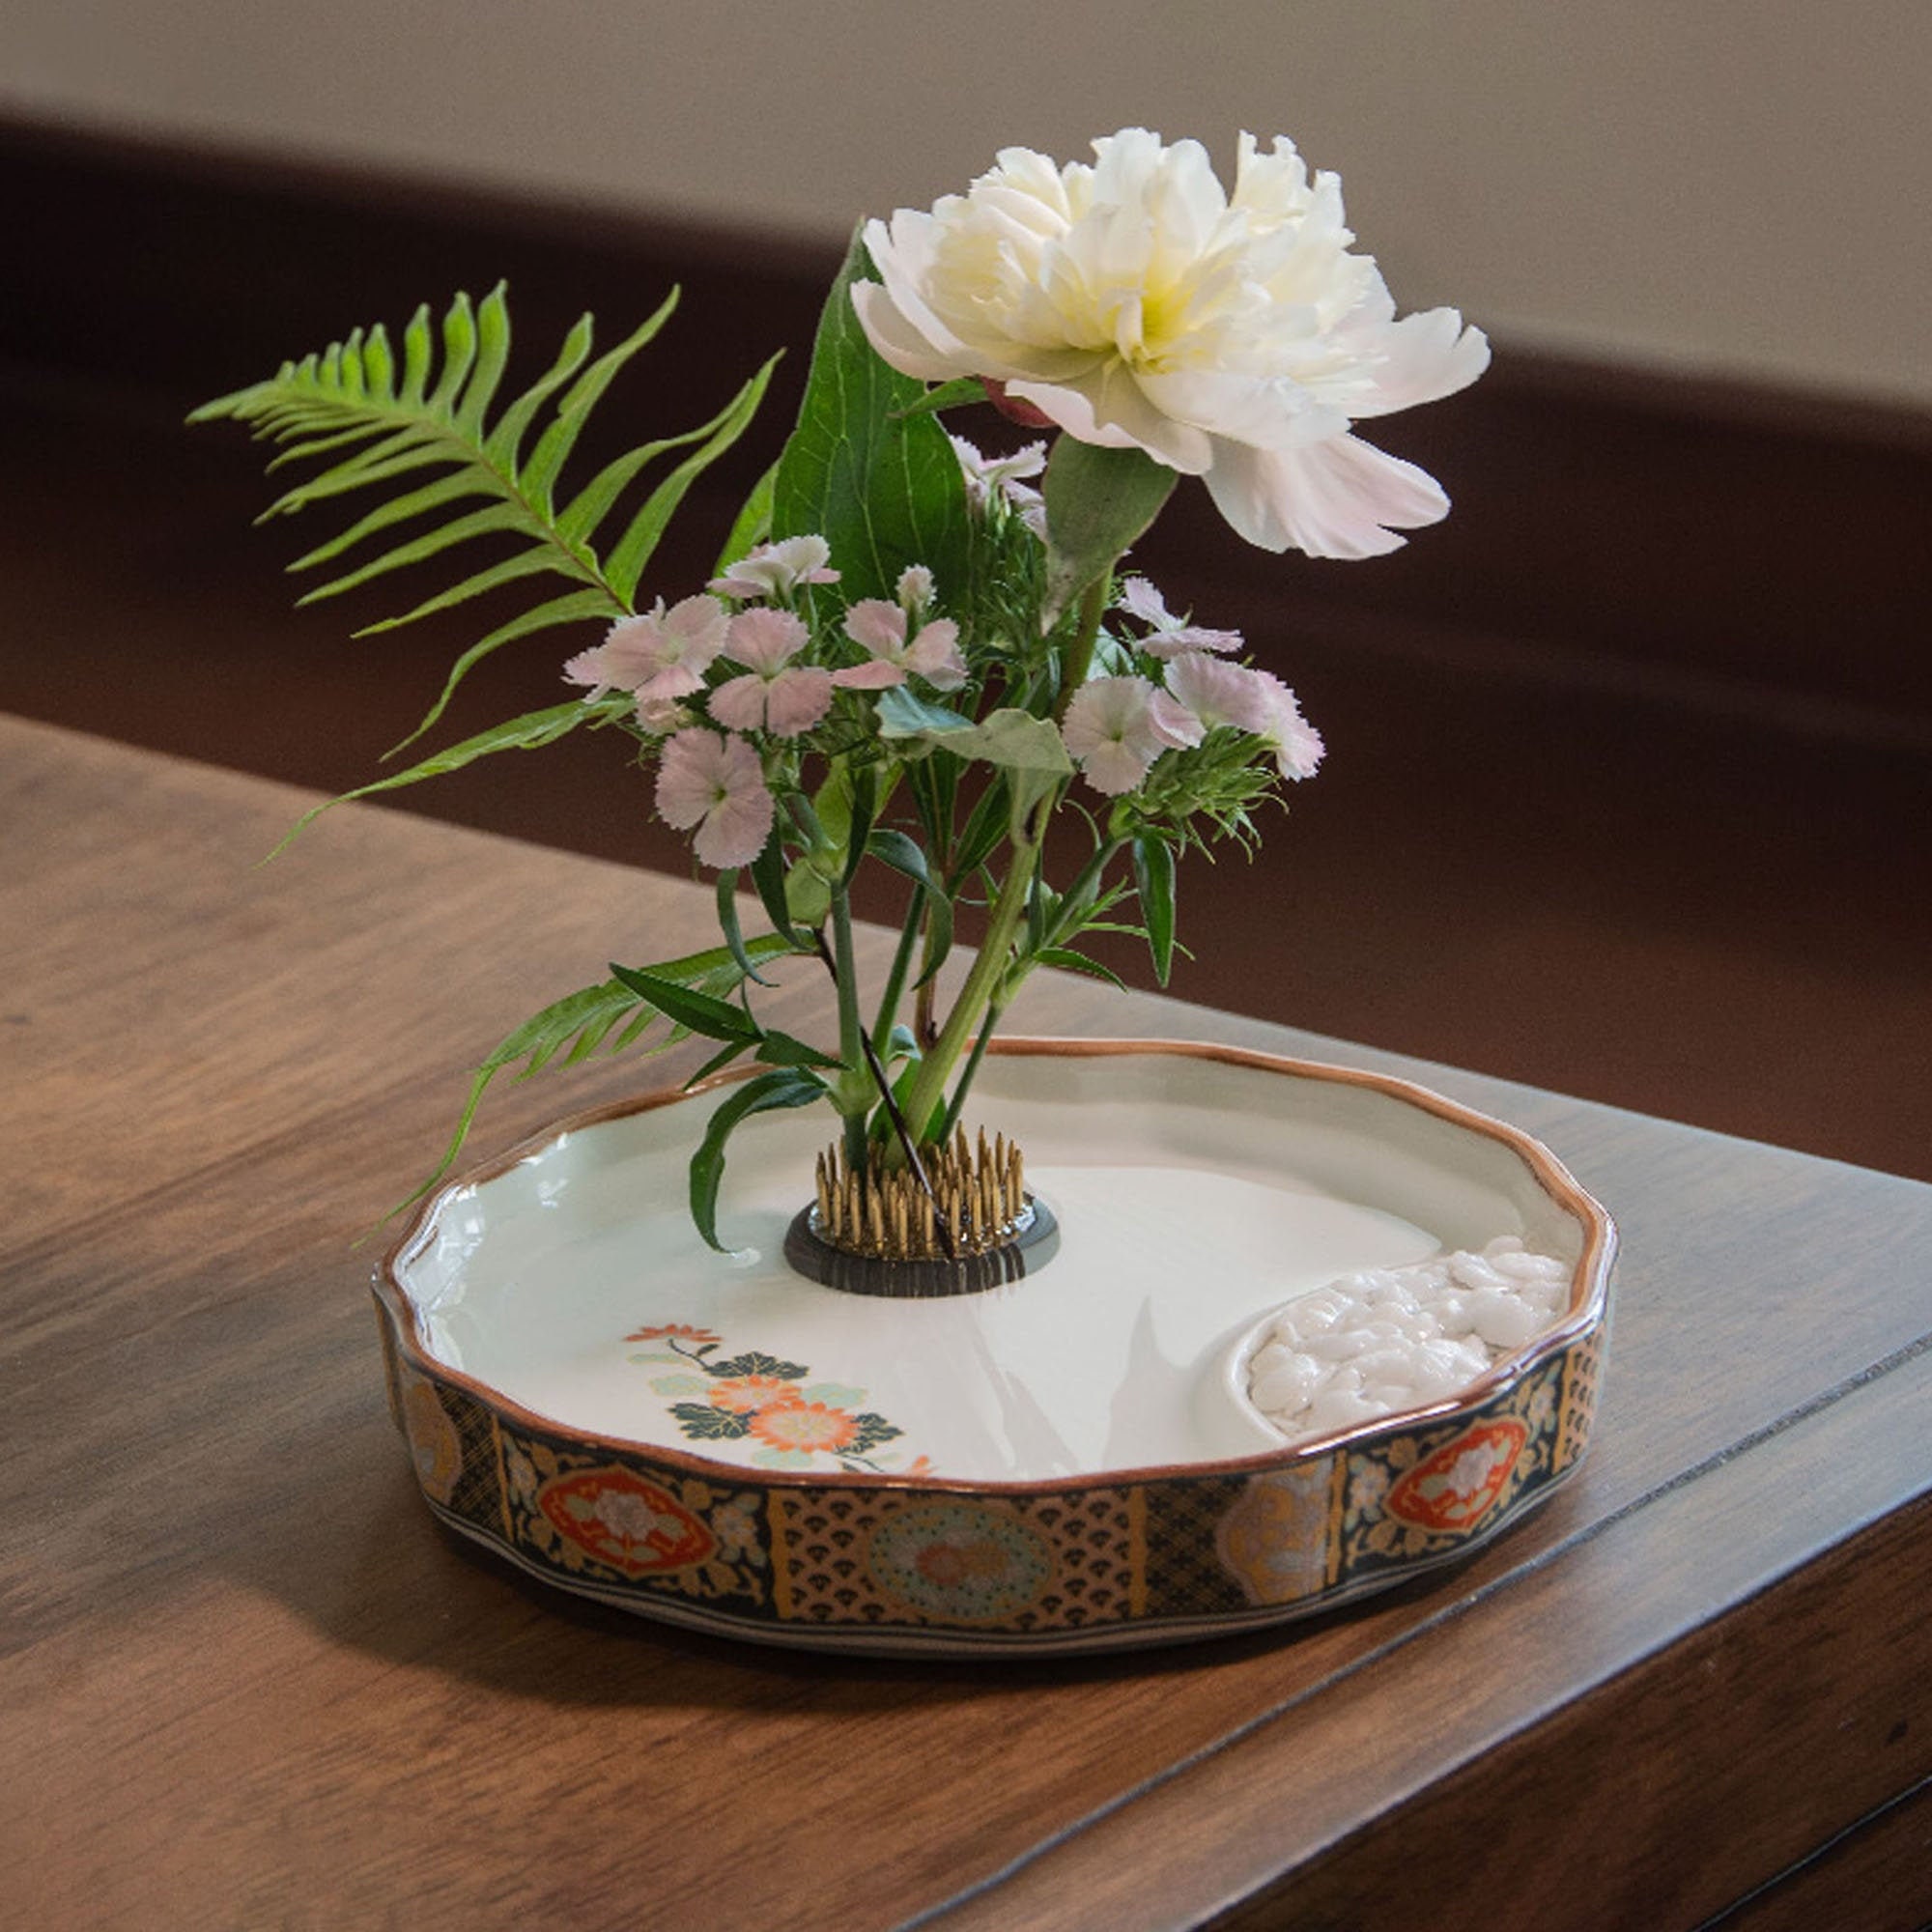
column 1136, row 303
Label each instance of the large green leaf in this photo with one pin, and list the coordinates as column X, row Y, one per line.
column 881, row 486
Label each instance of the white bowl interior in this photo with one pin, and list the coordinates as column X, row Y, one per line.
column 1194, row 1197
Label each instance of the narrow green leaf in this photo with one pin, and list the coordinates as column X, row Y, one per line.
column 626, row 563
column 585, row 511
column 985, row 826
column 492, row 353
column 459, row 352
column 526, row 563
column 518, row 734
column 952, row 395
column 574, row 607
column 732, row 1049
column 781, row 1049
column 349, row 371
column 587, row 1013
column 431, row 543
column 1153, row 880
column 307, row 451
column 416, row 358
column 379, row 365
column 553, row 446
column 754, row 523
column 416, row 456
column 504, row 444
column 768, row 876
column 715, row 1019
column 728, row 922
column 903, row 855
column 407, row 448
column 399, row 510
column 765, row 1092
column 1078, row 962
column 939, row 911
column 864, row 789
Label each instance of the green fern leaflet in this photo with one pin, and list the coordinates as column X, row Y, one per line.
column 385, row 425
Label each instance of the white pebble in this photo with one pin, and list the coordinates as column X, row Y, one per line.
column 1473, row 1271
column 1385, row 1340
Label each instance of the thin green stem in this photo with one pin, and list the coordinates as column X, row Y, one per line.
column 889, row 1000
column 929, row 1083
column 1080, row 652
column 956, row 1105
column 845, row 971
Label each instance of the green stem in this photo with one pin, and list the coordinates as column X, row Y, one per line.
column 956, row 1105
column 1084, row 881
column 889, row 1000
column 929, row 1083
column 1080, row 652
column 852, row 1090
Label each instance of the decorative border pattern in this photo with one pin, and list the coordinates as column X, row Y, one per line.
column 883, row 1564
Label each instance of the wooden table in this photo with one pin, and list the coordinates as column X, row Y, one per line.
column 245, row 1681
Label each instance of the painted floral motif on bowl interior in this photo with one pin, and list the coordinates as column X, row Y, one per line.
column 796, row 1423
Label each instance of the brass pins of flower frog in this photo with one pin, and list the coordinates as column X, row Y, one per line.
column 878, row 1231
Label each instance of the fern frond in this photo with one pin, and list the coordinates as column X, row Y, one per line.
column 379, row 424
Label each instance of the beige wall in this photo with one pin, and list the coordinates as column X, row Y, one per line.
column 1740, row 187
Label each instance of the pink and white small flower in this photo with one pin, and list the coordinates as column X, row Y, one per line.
column 1168, row 635
column 775, row 695
column 1296, row 743
column 777, row 569
column 933, row 653
column 659, row 656
column 717, row 785
column 988, row 476
column 1216, row 693
column 1116, row 727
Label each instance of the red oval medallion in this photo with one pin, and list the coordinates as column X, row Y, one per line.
column 1456, row 1487
column 625, row 1522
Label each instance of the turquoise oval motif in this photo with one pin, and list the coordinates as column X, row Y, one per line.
column 960, row 1562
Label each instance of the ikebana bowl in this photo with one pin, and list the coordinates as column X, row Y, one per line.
column 1060, row 1462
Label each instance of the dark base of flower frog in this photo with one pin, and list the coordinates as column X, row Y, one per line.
column 1029, row 1250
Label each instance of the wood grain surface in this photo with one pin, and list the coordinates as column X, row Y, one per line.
column 245, row 1681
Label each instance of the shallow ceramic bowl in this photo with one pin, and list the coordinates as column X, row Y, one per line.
column 1066, row 1462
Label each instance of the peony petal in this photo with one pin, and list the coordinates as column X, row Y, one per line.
column 1339, row 498
column 1070, row 409
column 900, row 344
column 1426, row 357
